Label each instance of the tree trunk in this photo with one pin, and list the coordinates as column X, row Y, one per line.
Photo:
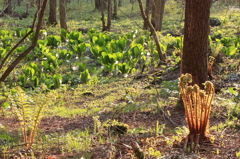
column 109, row 21
column 39, row 4
column 157, row 14
column 98, row 5
column 195, row 48
column 115, row 8
column 162, row 56
column 102, row 13
column 147, row 11
column 19, row 2
column 52, row 19
column 120, row 3
column 8, row 4
column 63, row 23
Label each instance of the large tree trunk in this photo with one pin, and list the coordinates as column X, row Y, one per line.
column 63, row 23
column 195, row 48
column 52, row 19
column 157, row 14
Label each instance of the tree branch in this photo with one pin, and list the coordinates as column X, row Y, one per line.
column 162, row 56
column 34, row 43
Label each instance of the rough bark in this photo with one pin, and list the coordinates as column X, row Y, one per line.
column 195, row 49
column 52, row 19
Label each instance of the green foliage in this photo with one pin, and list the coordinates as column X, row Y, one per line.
column 57, row 80
column 65, row 54
column 121, row 43
column 216, row 47
column 75, row 38
column 80, row 49
column 85, row 76
column 123, row 68
column 53, row 41
column 2, row 53
column 63, row 33
column 96, row 50
column 230, row 50
column 6, row 39
column 81, row 67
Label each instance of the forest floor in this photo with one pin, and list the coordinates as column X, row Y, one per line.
column 79, row 124
column 224, row 129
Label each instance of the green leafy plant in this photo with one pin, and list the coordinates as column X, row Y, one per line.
column 123, row 68
column 65, row 54
column 80, row 49
column 216, row 47
column 85, row 76
column 53, row 41
column 75, row 38
column 2, row 53
column 96, row 51
column 81, row 67
column 63, row 34
column 57, row 80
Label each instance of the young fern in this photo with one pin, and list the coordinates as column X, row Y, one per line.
column 197, row 104
column 29, row 112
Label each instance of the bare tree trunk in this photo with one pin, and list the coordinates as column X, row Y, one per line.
column 98, row 4
column 162, row 56
column 147, row 11
column 115, row 8
column 52, row 19
column 39, row 4
column 63, row 23
column 195, row 48
column 102, row 13
column 109, row 22
column 157, row 14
